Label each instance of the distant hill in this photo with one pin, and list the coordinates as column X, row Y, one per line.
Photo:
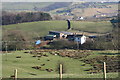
column 24, row 6
column 56, row 6
column 85, row 9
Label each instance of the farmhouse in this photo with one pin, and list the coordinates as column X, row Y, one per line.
column 105, row 15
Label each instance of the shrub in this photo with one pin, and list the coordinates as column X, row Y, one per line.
column 16, row 39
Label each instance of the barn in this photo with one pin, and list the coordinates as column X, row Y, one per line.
column 60, row 34
column 50, row 37
column 74, row 37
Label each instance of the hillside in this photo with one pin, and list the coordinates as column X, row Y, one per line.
column 85, row 9
column 54, row 6
column 41, row 28
column 24, row 6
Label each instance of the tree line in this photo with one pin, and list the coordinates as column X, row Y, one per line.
column 20, row 17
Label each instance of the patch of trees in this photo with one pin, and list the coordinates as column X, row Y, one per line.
column 14, row 18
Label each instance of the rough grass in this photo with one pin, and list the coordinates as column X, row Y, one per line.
column 24, row 64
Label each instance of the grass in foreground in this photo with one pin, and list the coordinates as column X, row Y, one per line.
column 73, row 68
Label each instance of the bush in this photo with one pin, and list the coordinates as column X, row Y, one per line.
column 62, row 44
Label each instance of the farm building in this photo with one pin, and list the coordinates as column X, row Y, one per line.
column 80, row 18
column 60, row 34
column 77, row 38
column 70, row 37
column 66, row 35
column 50, row 37
column 105, row 15
column 74, row 37
column 92, row 36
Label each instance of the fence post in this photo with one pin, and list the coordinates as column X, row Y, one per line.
column 15, row 74
column 60, row 71
column 104, row 71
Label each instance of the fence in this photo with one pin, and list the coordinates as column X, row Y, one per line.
column 15, row 73
column 61, row 74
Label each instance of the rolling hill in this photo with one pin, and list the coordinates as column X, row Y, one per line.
column 85, row 9
column 42, row 28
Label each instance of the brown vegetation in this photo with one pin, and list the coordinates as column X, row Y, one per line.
column 97, row 63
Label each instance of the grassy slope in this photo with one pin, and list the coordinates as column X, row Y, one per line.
column 101, row 27
column 24, row 64
column 42, row 27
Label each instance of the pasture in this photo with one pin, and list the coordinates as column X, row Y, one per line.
column 74, row 67
column 42, row 28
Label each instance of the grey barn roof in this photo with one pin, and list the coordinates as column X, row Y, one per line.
column 64, row 32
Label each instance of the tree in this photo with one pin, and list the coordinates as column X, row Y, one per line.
column 13, row 18
column 16, row 39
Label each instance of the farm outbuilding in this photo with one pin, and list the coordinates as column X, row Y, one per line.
column 50, row 37
column 71, row 36
column 77, row 38
column 92, row 36
column 60, row 34
column 74, row 37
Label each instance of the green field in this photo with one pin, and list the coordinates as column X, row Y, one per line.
column 73, row 68
column 42, row 28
